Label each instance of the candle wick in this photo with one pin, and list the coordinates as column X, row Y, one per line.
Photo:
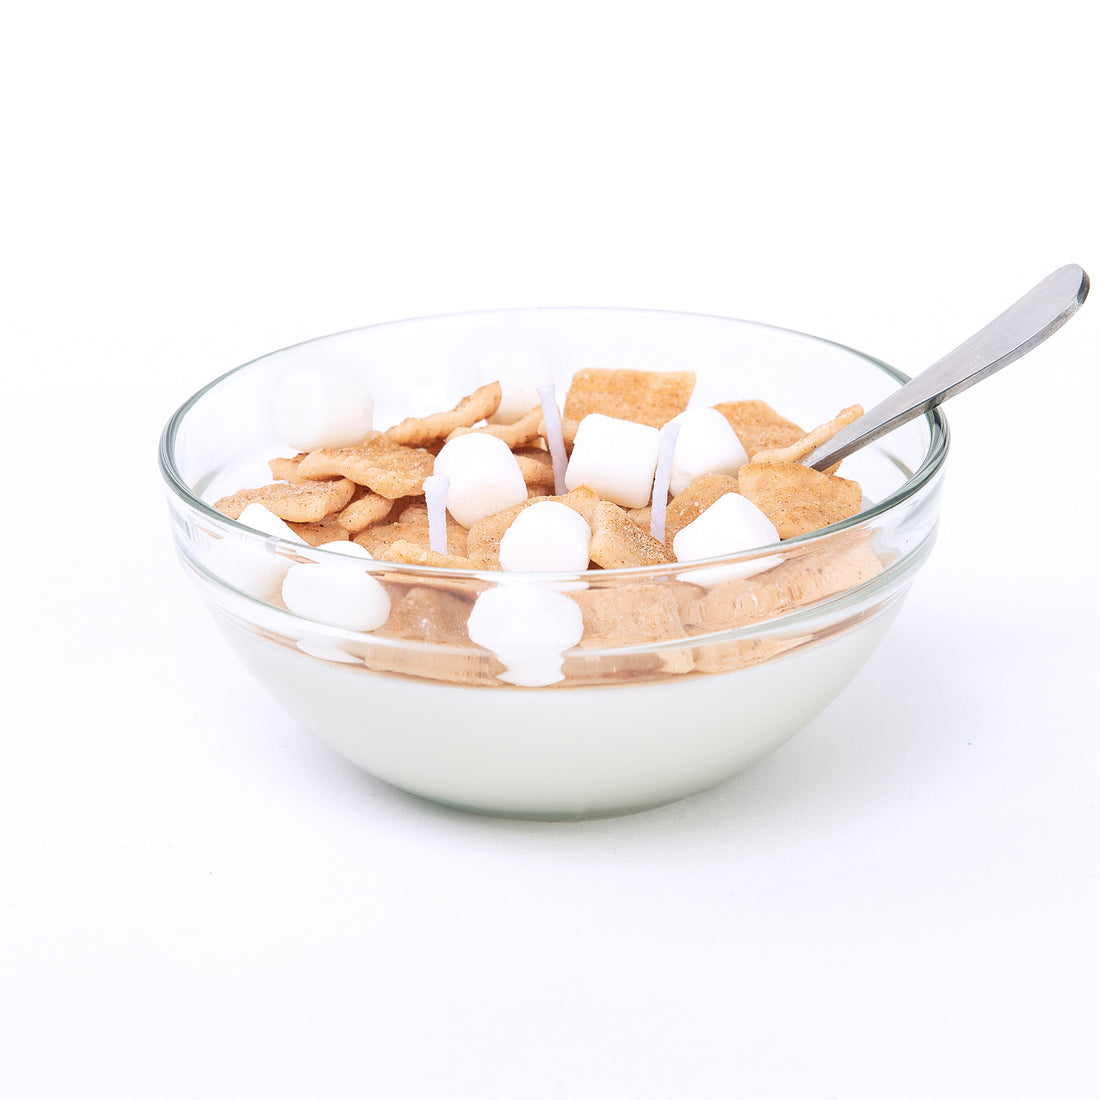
column 662, row 479
column 435, row 497
column 551, row 418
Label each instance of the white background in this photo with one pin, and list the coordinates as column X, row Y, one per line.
column 198, row 900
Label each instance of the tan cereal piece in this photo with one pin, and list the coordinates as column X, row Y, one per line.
column 536, row 466
column 616, row 615
column 433, row 621
column 418, row 430
column 379, row 538
column 366, row 508
column 520, row 431
column 758, row 426
column 483, row 538
column 286, row 469
column 426, row 614
column 798, row 450
column 329, row 529
column 619, row 543
column 690, row 504
column 728, row 656
column 647, row 397
column 405, row 552
column 568, row 432
column 583, row 500
column 796, row 498
column 309, row 502
column 389, row 469
column 806, row 577
column 416, row 511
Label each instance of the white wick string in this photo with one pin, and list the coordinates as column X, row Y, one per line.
column 662, row 479
column 551, row 418
column 435, row 497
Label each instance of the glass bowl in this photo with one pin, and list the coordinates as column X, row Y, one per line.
column 701, row 676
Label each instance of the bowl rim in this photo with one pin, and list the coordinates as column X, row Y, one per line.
column 932, row 463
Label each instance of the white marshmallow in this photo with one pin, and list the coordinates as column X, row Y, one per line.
column 347, row 548
column 244, row 565
column 546, row 536
column 315, row 409
column 731, row 524
column 706, row 444
column 483, row 474
column 520, row 371
column 528, row 628
column 265, row 521
column 336, row 595
column 615, row 457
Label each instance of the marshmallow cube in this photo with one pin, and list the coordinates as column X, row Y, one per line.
column 483, row 475
column 347, row 548
column 265, row 521
column 245, row 566
column 336, row 596
column 528, row 628
column 706, row 444
column 731, row 524
column 251, row 568
column 616, row 458
column 317, row 409
column 546, row 536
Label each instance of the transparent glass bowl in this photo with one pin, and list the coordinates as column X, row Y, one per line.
column 694, row 683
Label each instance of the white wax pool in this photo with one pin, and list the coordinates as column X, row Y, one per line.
column 565, row 752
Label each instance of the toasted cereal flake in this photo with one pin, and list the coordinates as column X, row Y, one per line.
column 728, row 656
column 405, row 552
column 433, row 620
column 286, row 469
column 616, row 615
column 568, row 432
column 811, row 575
column 537, row 467
column 366, row 507
column 379, row 538
column 309, row 502
column 583, row 499
column 798, row 450
column 689, row 505
column 758, row 426
column 520, row 431
column 646, row 397
column 483, row 538
column 318, row 534
column 429, row 615
column 796, row 498
column 619, row 543
column 418, row 430
column 388, row 468
column 805, row 577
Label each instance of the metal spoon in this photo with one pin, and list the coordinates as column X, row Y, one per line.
column 1023, row 326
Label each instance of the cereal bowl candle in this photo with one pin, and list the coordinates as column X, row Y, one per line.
column 596, row 583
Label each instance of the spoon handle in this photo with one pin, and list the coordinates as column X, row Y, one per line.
column 1023, row 326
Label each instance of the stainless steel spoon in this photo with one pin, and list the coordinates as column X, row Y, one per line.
column 1023, row 326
